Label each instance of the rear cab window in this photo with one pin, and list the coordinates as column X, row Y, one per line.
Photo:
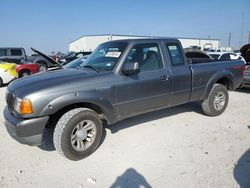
column 175, row 54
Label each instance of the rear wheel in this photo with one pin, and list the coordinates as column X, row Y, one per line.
column 78, row 133
column 43, row 67
column 217, row 101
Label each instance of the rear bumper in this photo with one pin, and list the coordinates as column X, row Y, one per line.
column 25, row 131
column 246, row 82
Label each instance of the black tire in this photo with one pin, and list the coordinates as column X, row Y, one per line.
column 210, row 106
column 65, row 127
column 24, row 74
column 1, row 82
column 43, row 67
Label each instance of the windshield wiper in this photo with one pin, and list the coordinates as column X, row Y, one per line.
column 89, row 66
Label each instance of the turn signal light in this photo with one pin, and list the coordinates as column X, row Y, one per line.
column 26, row 107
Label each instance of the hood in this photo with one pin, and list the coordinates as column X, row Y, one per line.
column 46, row 57
column 54, row 81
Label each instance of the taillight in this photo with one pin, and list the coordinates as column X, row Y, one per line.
column 243, row 70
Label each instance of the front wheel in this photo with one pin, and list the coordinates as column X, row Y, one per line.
column 78, row 133
column 217, row 101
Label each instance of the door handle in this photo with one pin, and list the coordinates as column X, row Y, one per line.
column 164, row 77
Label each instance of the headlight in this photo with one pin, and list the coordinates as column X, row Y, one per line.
column 17, row 104
column 23, row 106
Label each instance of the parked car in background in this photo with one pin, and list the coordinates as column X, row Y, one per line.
column 245, row 52
column 54, row 64
column 18, row 56
column 26, row 69
column 13, row 55
column 226, row 56
column 70, row 56
column 44, row 63
column 237, row 52
column 119, row 80
column 246, row 81
column 7, row 72
column 57, row 56
column 196, row 55
column 21, row 69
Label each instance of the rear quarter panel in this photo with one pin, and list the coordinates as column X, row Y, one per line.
column 206, row 74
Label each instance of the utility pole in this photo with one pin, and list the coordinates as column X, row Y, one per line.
column 248, row 37
column 242, row 29
column 229, row 39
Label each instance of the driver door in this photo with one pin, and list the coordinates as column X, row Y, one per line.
column 147, row 90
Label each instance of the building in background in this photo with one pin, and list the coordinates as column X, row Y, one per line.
column 88, row 43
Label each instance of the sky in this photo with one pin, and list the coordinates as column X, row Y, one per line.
column 51, row 25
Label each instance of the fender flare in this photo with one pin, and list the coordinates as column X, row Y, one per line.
column 217, row 76
column 80, row 97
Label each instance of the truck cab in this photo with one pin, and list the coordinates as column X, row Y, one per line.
column 13, row 55
column 120, row 79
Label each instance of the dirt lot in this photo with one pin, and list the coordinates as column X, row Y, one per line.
column 177, row 147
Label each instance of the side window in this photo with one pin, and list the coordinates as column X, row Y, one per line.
column 175, row 54
column 3, row 52
column 16, row 52
column 147, row 55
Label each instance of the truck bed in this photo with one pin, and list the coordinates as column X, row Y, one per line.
column 203, row 72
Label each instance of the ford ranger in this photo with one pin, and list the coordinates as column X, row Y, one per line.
column 120, row 79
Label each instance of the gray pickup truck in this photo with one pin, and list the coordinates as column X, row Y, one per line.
column 120, row 79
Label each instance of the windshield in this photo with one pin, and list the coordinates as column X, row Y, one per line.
column 105, row 57
column 76, row 63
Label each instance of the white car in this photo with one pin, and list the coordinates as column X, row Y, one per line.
column 7, row 72
column 226, row 56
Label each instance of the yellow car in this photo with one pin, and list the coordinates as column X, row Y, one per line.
column 7, row 72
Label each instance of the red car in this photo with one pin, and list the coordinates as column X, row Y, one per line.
column 26, row 69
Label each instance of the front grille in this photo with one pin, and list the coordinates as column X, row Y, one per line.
column 10, row 100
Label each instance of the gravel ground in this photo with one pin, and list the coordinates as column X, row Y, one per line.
column 176, row 147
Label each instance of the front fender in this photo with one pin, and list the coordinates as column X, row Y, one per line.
column 217, row 76
column 80, row 97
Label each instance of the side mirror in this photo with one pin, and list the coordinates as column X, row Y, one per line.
column 131, row 68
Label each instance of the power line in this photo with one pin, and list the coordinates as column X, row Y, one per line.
column 229, row 39
column 248, row 37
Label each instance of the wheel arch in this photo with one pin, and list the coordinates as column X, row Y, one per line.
column 225, row 78
column 21, row 71
column 68, row 102
column 42, row 63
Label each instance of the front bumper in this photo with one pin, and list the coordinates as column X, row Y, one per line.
column 25, row 131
